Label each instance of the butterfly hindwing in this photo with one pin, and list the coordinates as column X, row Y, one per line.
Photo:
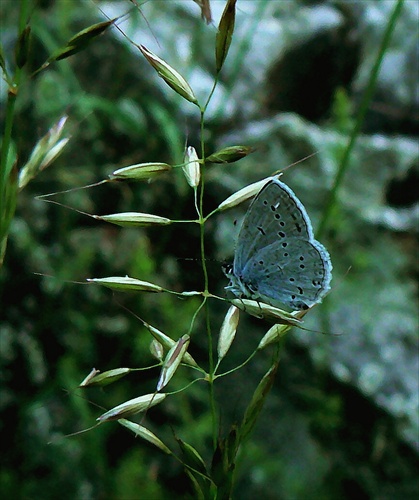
column 298, row 273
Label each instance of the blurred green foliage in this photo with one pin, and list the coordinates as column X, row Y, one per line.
column 328, row 430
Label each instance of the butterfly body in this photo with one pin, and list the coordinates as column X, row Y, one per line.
column 277, row 258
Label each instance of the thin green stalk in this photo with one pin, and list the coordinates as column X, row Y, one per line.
column 332, row 199
column 205, row 271
column 211, row 378
column 202, row 221
column 209, row 97
column 8, row 126
column 201, row 205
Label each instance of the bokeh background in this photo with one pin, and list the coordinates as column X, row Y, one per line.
column 342, row 419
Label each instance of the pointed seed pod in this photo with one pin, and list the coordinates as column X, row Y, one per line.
column 132, row 407
column 140, row 171
column 273, row 335
column 191, row 457
column 243, row 194
column 89, row 377
column 105, row 378
column 192, row 168
column 266, row 311
column 53, row 153
column 168, row 343
column 228, row 331
column 126, row 284
column 230, row 154
column 134, row 219
column 83, row 37
column 145, row 434
column 257, row 402
column 44, row 152
column 173, row 359
column 156, row 349
column 169, row 75
column 225, row 33
column 80, row 40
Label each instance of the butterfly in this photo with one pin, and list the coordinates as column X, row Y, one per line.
column 277, row 259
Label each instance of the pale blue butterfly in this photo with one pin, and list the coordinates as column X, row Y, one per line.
column 277, row 259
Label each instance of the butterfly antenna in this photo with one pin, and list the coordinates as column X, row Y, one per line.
column 297, row 162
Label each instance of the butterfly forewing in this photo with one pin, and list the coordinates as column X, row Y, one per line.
column 275, row 213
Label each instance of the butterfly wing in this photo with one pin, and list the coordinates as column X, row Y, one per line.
column 296, row 273
column 275, row 213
